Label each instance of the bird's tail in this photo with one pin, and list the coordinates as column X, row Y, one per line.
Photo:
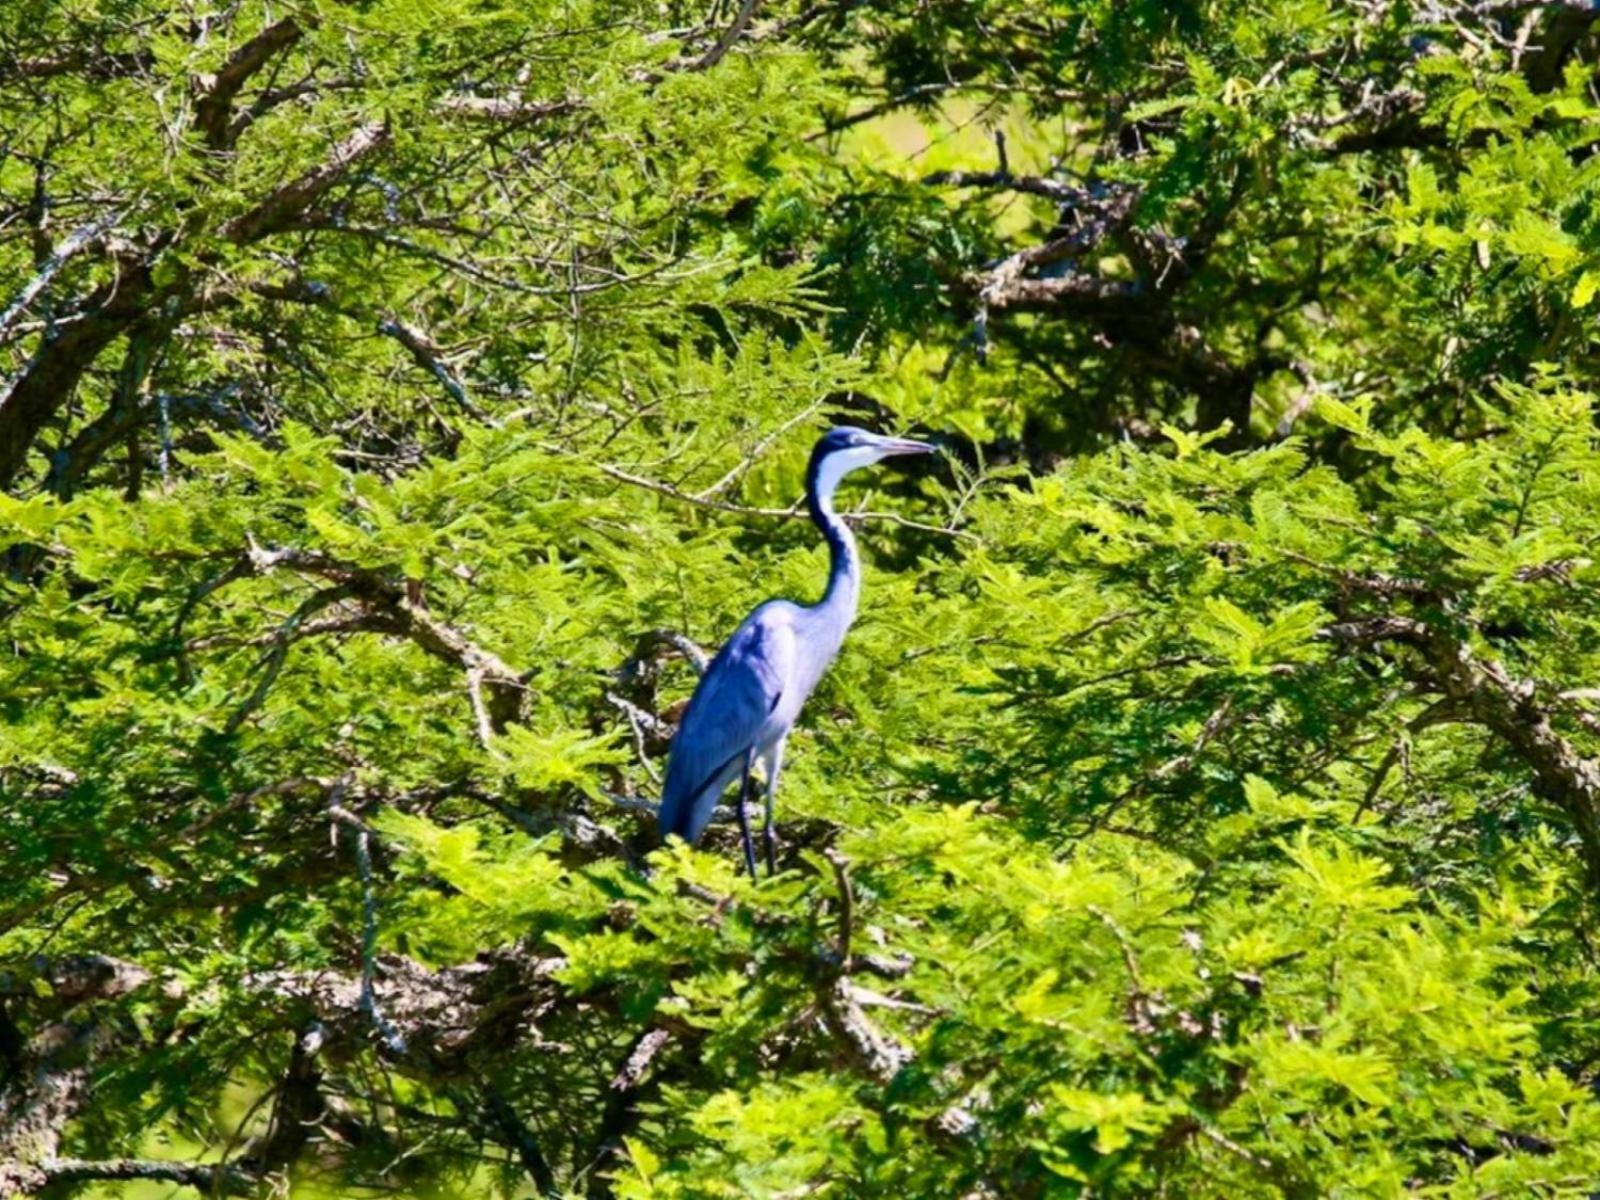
column 686, row 808
column 673, row 815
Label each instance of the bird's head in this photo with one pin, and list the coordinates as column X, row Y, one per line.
column 845, row 448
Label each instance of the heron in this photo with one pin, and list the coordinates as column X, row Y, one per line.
column 750, row 695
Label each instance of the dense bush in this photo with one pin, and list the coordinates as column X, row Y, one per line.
column 395, row 399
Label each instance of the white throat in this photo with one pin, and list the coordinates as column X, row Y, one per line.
column 839, row 464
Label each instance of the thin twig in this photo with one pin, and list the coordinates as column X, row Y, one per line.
column 756, row 452
column 480, row 712
column 847, row 903
column 1440, row 712
column 788, row 514
column 390, row 1036
column 1129, row 959
column 730, row 35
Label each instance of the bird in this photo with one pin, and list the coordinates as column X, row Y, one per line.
column 750, row 695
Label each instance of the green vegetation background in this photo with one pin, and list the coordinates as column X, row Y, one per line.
column 393, row 396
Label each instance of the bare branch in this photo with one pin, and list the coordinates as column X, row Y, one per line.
column 639, row 721
column 656, row 644
column 480, row 712
column 1050, row 189
column 1371, row 630
column 847, row 903
column 1006, row 284
column 877, row 1054
column 345, row 819
column 639, row 1060
column 441, row 1015
column 94, row 62
column 36, row 394
column 510, row 109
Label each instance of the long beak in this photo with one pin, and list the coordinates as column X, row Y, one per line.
column 891, row 446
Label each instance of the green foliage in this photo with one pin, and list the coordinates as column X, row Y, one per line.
column 1206, row 801
column 1391, row 201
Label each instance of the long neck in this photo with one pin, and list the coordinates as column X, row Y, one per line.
column 844, row 569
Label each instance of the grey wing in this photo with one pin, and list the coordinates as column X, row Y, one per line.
column 736, row 695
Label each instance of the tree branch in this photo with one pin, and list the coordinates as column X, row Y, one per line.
column 387, row 608
column 223, row 1178
column 214, row 109
column 1482, row 690
column 96, row 63
column 515, row 1133
column 510, row 109
column 426, row 355
column 283, row 206
column 1033, row 185
column 74, row 243
column 729, row 36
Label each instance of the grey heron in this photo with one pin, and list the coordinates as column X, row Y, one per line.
column 750, row 695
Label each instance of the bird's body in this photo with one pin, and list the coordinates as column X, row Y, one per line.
column 752, row 692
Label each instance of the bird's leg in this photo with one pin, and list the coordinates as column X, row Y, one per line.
column 744, row 814
column 768, row 834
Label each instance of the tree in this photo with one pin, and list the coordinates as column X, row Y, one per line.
column 397, row 403
column 1210, row 212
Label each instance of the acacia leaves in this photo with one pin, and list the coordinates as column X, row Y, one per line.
column 398, row 404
